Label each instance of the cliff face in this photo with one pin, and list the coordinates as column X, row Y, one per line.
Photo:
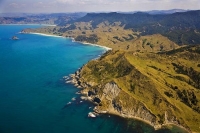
column 116, row 104
column 111, row 90
column 111, row 99
column 112, row 95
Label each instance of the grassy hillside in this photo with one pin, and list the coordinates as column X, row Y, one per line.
column 164, row 83
column 111, row 35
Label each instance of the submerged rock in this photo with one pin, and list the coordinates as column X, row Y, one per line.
column 73, row 99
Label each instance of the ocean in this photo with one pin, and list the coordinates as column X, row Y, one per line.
column 34, row 95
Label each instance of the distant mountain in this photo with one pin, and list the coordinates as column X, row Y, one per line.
column 42, row 18
column 15, row 14
column 180, row 27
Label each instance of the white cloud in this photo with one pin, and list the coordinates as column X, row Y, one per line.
column 14, row 5
column 67, row 1
column 95, row 5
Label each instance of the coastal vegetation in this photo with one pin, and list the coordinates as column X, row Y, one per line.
column 152, row 72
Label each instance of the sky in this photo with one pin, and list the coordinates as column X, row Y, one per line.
column 55, row 6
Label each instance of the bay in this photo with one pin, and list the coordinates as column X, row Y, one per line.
column 33, row 94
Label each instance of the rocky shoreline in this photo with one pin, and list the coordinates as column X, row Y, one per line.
column 111, row 91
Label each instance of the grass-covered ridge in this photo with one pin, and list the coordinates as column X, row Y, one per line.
column 152, row 80
column 111, row 35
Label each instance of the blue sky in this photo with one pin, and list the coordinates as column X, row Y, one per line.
column 51, row 6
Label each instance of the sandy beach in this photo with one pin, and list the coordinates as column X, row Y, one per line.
column 107, row 48
column 42, row 34
column 73, row 40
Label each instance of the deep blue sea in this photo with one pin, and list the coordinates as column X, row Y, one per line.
column 33, row 94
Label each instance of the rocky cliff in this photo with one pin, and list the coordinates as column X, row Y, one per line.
column 137, row 85
column 109, row 100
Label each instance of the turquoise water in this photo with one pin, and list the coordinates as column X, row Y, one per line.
column 33, row 95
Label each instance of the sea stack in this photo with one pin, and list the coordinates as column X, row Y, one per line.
column 15, row 38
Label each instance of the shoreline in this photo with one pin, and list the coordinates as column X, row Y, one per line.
column 86, row 43
column 71, row 38
column 31, row 24
column 129, row 117
column 156, row 127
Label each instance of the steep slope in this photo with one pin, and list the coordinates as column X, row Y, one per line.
column 152, row 87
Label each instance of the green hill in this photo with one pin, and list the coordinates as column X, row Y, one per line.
column 158, row 88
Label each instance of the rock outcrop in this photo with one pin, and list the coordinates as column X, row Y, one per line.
column 111, row 90
column 111, row 95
